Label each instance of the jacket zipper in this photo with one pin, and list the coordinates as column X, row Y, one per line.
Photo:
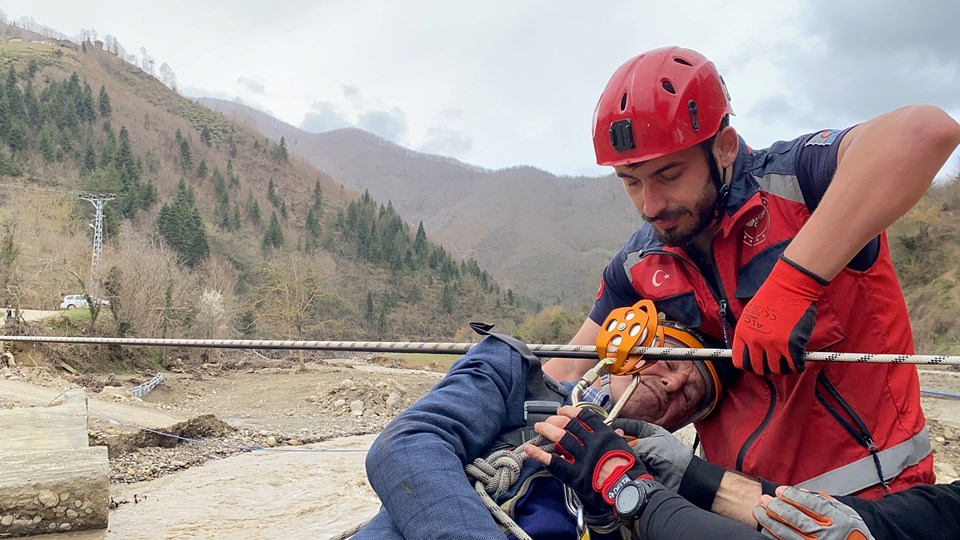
column 856, row 428
column 724, row 314
column 725, row 318
column 771, row 407
column 742, row 455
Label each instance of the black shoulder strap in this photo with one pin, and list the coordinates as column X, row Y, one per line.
column 543, row 395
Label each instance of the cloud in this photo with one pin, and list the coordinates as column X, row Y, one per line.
column 863, row 61
column 447, row 142
column 323, row 117
column 252, row 85
column 390, row 124
column 452, row 114
column 353, row 95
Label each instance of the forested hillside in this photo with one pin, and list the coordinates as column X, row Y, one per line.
column 925, row 244
column 215, row 231
column 219, row 231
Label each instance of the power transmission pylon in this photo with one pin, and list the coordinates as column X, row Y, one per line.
column 98, row 201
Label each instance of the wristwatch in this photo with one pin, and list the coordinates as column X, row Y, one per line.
column 633, row 497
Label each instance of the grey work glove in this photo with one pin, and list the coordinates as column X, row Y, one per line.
column 797, row 514
column 665, row 457
column 672, row 463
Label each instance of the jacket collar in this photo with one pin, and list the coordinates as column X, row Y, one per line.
column 743, row 188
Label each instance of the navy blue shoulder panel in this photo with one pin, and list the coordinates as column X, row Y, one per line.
column 616, row 288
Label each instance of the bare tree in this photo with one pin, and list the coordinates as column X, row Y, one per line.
column 291, row 297
column 168, row 77
column 150, row 270
column 146, row 61
column 217, row 304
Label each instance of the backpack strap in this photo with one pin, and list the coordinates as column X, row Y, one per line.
column 542, row 396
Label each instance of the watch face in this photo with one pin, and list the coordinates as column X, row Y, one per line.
column 629, row 499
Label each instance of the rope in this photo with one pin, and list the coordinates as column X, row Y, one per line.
column 548, row 351
column 349, row 533
column 497, row 473
column 940, row 394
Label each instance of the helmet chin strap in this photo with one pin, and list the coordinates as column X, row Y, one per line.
column 719, row 176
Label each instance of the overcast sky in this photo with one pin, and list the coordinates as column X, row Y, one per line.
column 500, row 83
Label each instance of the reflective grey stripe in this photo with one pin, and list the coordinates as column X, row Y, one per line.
column 631, row 259
column 862, row 473
column 785, row 186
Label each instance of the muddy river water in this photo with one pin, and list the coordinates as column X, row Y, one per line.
column 317, row 492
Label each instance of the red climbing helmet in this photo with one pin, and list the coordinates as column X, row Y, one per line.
column 657, row 103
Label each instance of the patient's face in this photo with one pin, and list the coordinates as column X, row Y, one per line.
column 669, row 392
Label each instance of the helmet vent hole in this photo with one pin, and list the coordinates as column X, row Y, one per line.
column 668, row 87
column 682, row 61
column 623, row 102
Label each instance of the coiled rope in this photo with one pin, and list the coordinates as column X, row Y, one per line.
column 497, row 473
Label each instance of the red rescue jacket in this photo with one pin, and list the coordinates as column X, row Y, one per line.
column 835, row 427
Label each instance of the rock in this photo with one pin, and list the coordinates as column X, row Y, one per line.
column 271, row 441
column 263, row 433
column 65, row 526
column 72, row 514
column 348, row 384
column 64, row 496
column 356, row 407
column 948, row 433
column 939, row 439
column 944, row 469
column 293, row 442
column 48, row 498
column 6, row 520
column 393, row 400
column 339, row 403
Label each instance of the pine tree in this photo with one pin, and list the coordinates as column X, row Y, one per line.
column 272, row 194
column 313, row 225
column 420, row 242
column 279, row 151
column 89, row 158
column 446, row 299
column 104, row 101
column 181, row 226
column 317, row 199
column 88, row 109
column 273, row 237
column 253, row 209
column 186, row 158
column 46, row 145
column 382, row 324
column 202, row 169
column 368, row 314
column 129, row 171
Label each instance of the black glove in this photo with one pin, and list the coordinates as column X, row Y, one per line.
column 581, row 454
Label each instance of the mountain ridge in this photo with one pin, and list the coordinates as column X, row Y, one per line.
column 514, row 221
